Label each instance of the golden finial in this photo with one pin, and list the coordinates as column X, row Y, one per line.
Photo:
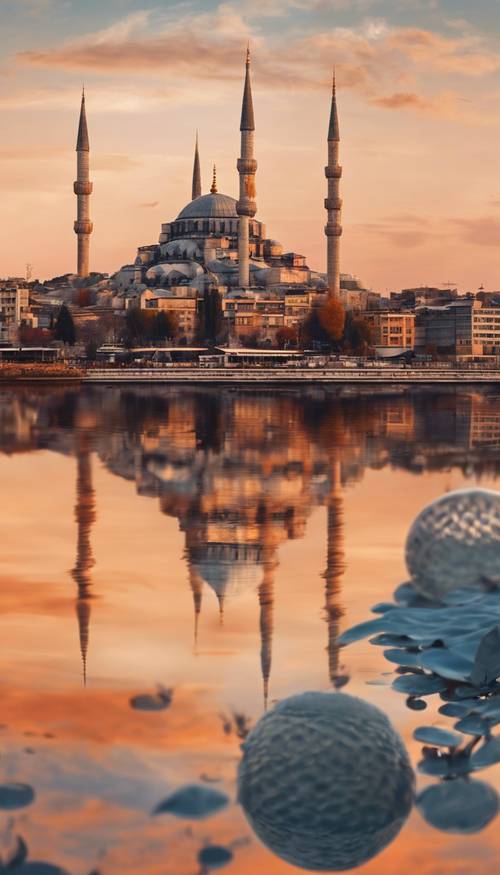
column 213, row 190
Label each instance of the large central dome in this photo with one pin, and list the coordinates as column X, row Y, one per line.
column 210, row 206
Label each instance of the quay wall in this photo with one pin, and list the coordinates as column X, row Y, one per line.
column 290, row 376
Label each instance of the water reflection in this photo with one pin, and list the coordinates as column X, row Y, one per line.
column 241, row 474
column 85, row 515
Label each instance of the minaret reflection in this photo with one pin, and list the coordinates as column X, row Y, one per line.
column 85, row 516
column 335, row 568
column 266, row 602
column 196, row 585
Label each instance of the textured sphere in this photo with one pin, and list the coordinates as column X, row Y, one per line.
column 455, row 542
column 325, row 781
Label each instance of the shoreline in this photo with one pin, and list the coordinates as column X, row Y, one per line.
column 258, row 377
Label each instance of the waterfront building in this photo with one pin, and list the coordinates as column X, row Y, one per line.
column 392, row 333
column 15, row 312
column 179, row 301
column 463, row 329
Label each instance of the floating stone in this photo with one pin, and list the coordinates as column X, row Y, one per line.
column 192, row 802
column 325, row 781
column 455, row 543
column 157, row 702
column 214, row 857
column 14, row 796
column 459, row 805
column 416, row 704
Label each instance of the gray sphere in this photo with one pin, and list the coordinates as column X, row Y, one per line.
column 455, row 542
column 325, row 781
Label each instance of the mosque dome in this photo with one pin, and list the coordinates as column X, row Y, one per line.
column 210, row 206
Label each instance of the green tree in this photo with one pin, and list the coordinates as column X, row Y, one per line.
column 65, row 327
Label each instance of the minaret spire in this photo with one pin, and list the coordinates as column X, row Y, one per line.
column 247, row 167
column 83, row 189
column 333, row 203
column 196, row 192
column 213, row 190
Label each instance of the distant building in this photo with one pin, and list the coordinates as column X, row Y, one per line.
column 181, row 302
column 392, row 333
column 430, row 296
column 464, row 328
column 14, row 312
column 354, row 297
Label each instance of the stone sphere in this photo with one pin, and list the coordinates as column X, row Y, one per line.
column 455, row 542
column 325, row 781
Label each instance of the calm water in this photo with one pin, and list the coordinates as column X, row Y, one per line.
column 215, row 543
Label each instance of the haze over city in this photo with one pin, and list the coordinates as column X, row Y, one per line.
column 418, row 92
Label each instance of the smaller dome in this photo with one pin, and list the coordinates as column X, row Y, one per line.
column 210, row 206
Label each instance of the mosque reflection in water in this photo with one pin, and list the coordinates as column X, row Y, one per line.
column 242, row 474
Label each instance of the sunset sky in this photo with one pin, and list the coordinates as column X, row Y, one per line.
column 419, row 104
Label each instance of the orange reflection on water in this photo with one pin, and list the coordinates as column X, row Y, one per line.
column 134, row 524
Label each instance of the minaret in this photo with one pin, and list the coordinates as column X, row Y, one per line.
column 196, row 172
column 85, row 517
column 333, row 204
column 247, row 166
column 83, row 189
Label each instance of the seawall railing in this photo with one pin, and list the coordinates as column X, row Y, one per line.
column 283, row 375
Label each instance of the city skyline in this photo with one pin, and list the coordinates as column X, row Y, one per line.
column 418, row 90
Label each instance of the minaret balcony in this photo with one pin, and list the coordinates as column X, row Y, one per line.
column 83, row 187
column 333, row 230
column 246, row 207
column 333, row 172
column 247, row 166
column 83, row 227
column 333, row 203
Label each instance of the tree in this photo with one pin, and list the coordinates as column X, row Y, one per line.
column 323, row 324
column 286, row 337
column 331, row 317
column 357, row 334
column 164, row 326
column 65, row 327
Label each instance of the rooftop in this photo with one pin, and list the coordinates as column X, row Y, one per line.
column 210, row 206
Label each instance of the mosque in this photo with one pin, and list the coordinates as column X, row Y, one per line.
column 217, row 244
